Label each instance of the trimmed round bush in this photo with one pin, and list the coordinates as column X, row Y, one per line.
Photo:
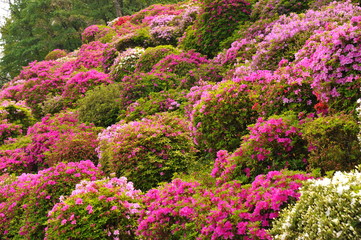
column 58, row 138
column 332, row 142
column 140, row 85
column 188, row 210
column 164, row 101
column 153, row 55
column 180, row 63
column 55, row 54
column 28, row 199
column 221, row 116
column 331, row 62
column 328, row 208
column 101, row 105
column 149, row 151
column 102, row 209
column 125, row 63
column 271, row 8
column 81, row 82
column 272, row 144
column 98, row 33
column 8, row 130
column 217, row 21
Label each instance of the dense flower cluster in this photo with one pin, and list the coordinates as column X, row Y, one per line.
column 221, row 116
column 27, row 199
column 125, row 63
column 272, row 144
column 60, row 138
column 188, row 210
column 149, row 151
column 328, row 208
column 84, row 209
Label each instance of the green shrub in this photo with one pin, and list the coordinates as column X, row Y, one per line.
column 264, row 9
column 152, row 55
column 332, row 142
column 217, row 21
column 140, row 38
column 140, row 85
column 103, row 209
column 328, row 208
column 271, row 145
column 125, row 63
column 220, row 118
column 164, row 101
column 55, row 54
column 101, row 105
column 149, row 151
column 16, row 113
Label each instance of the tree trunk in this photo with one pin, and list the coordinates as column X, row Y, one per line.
column 118, row 8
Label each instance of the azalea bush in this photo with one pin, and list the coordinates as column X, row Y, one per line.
column 149, row 151
column 272, row 8
column 272, row 144
column 188, row 210
column 332, row 142
column 55, row 54
column 27, row 199
column 125, row 63
column 81, row 82
column 331, row 204
column 140, row 85
column 17, row 113
column 164, row 101
column 97, row 33
column 8, row 130
column 102, row 209
column 221, row 116
column 153, row 55
column 54, row 139
column 180, row 63
column 288, row 34
column 101, row 105
column 216, row 22
column 339, row 85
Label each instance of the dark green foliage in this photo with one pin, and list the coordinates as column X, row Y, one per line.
column 217, row 22
column 332, row 142
column 265, row 9
column 164, row 101
column 152, row 55
column 100, row 106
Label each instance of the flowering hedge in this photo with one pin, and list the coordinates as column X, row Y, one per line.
column 102, row 209
column 27, row 199
column 149, row 151
column 328, row 208
column 187, row 210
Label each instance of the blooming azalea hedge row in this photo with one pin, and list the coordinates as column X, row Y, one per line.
column 211, row 142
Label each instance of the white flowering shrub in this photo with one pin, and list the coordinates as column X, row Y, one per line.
column 125, row 63
column 329, row 208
